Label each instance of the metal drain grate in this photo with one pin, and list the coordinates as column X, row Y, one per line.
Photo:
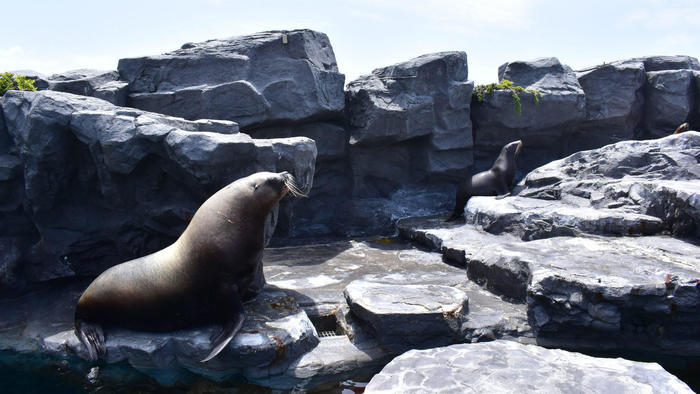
column 327, row 326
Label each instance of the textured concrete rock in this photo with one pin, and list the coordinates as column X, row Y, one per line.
column 328, row 208
column 541, row 126
column 414, row 112
column 614, row 101
column 504, row 366
column 656, row 178
column 660, row 63
column 406, row 317
column 275, row 333
column 318, row 274
column 104, row 184
column 95, row 83
column 617, row 293
column 670, row 101
column 530, row 218
column 257, row 79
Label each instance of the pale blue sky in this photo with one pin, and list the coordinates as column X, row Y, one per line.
column 55, row 36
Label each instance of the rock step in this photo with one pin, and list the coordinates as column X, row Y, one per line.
column 633, row 293
column 505, row 366
column 404, row 317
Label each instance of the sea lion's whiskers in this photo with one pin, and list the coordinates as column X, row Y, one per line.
column 291, row 184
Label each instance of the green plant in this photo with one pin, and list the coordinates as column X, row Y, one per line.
column 481, row 90
column 10, row 81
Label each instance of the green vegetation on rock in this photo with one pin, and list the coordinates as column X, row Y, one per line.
column 10, row 81
column 481, row 90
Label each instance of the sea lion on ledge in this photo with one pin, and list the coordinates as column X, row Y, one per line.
column 200, row 279
column 497, row 181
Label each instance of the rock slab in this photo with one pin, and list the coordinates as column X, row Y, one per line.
column 509, row 367
column 409, row 316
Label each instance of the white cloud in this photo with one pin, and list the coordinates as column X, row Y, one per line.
column 663, row 16
column 462, row 16
column 12, row 51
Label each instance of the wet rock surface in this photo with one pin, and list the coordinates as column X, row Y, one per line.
column 504, row 366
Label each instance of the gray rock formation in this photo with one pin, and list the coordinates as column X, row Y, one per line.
column 541, row 126
column 95, row 83
column 405, row 317
column 415, row 116
column 660, row 63
column 504, row 366
column 264, row 78
column 614, row 101
column 656, row 178
column 104, row 184
column 670, row 100
column 589, row 292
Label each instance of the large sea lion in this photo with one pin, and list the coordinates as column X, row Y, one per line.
column 498, row 180
column 200, row 279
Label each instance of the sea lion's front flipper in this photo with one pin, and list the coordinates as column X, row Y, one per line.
column 92, row 337
column 229, row 330
column 502, row 196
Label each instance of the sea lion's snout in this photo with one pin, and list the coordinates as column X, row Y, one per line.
column 290, row 184
column 520, row 147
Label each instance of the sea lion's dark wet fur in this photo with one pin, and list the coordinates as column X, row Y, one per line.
column 200, row 279
column 498, row 180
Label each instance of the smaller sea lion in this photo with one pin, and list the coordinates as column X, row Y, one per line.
column 682, row 128
column 497, row 181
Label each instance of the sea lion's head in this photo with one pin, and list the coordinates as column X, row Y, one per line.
column 268, row 188
column 513, row 149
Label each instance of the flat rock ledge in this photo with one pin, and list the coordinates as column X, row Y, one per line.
column 631, row 293
column 509, row 367
column 275, row 334
column 406, row 317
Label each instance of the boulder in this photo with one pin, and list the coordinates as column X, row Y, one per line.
column 95, row 83
column 259, row 79
column 542, row 126
column 406, row 317
column 614, row 101
column 661, row 63
column 415, row 112
column 655, row 178
column 104, row 184
column 670, row 101
column 504, row 366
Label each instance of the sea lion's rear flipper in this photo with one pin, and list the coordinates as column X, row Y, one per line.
column 231, row 327
column 92, row 337
column 502, row 196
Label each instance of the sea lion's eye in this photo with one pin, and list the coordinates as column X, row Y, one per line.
column 255, row 186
